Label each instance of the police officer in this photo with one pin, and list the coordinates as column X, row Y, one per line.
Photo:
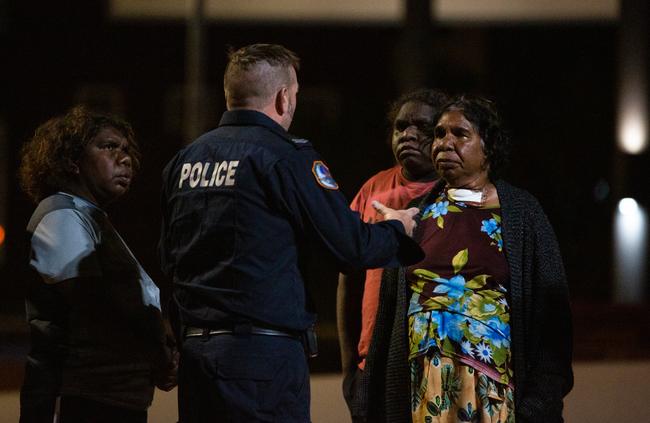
column 243, row 205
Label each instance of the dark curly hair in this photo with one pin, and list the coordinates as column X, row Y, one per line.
column 47, row 159
column 482, row 113
column 434, row 98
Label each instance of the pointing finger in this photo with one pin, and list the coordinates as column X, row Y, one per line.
column 381, row 209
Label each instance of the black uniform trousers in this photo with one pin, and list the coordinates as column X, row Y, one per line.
column 243, row 378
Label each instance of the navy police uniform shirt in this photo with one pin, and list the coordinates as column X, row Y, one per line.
column 240, row 205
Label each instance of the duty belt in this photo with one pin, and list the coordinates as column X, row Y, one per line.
column 253, row 330
column 306, row 338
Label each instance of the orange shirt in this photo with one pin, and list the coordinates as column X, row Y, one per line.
column 393, row 190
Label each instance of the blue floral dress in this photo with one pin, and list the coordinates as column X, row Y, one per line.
column 459, row 331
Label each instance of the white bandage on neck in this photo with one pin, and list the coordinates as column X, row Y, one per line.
column 465, row 195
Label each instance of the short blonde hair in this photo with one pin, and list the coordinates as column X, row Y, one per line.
column 254, row 73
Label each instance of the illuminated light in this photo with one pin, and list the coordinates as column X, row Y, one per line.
column 628, row 207
column 2, row 235
column 633, row 132
column 630, row 234
column 381, row 10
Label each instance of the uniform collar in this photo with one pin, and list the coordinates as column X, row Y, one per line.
column 252, row 117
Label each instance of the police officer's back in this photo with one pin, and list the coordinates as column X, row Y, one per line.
column 241, row 205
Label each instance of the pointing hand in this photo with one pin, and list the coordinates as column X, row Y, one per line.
column 404, row 216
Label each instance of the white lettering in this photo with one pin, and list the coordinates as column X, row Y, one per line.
column 195, row 174
column 185, row 173
column 214, row 174
column 205, row 182
column 223, row 173
column 220, row 176
column 232, row 168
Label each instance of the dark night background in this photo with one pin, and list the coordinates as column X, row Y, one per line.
column 555, row 85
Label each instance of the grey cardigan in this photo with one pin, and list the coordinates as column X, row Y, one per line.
column 540, row 318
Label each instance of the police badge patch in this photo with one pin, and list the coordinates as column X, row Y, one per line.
column 323, row 175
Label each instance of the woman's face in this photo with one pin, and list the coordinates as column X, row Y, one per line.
column 105, row 168
column 457, row 152
column 411, row 145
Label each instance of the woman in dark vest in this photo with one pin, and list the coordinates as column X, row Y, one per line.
column 98, row 343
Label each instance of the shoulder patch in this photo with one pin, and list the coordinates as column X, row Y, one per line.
column 323, row 175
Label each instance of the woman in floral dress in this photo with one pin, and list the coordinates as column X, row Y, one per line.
column 480, row 329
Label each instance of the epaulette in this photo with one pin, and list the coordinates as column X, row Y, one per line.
column 297, row 142
column 300, row 141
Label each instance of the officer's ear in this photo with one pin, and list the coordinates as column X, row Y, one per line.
column 282, row 102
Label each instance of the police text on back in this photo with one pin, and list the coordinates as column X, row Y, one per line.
column 208, row 174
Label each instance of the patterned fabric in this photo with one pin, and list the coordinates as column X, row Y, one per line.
column 459, row 308
column 445, row 391
column 540, row 321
